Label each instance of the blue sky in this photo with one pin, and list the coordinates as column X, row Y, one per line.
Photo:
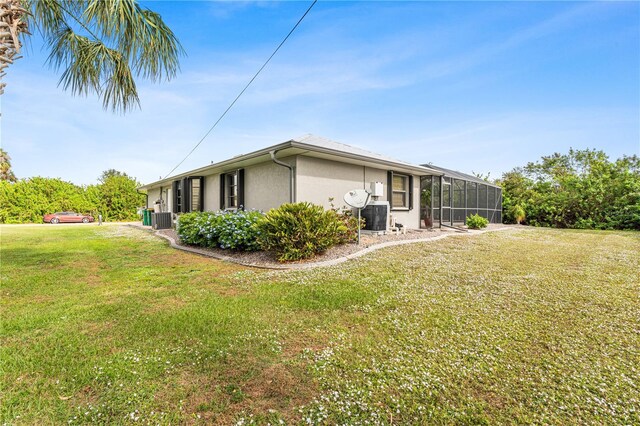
column 481, row 86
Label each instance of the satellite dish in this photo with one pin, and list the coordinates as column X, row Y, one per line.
column 357, row 198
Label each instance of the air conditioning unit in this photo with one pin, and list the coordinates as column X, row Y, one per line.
column 161, row 220
column 376, row 216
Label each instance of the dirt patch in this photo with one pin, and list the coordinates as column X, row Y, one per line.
column 244, row 388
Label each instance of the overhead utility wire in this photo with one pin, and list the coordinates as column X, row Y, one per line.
column 243, row 90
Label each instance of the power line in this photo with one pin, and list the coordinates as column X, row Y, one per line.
column 243, row 90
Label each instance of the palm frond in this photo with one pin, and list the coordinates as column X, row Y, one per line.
column 101, row 44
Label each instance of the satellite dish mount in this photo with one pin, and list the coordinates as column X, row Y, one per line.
column 358, row 199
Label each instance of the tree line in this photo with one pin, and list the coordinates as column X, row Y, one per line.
column 581, row 189
column 115, row 197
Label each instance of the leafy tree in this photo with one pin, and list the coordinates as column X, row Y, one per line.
column 119, row 198
column 581, row 189
column 5, row 167
column 110, row 173
column 100, row 45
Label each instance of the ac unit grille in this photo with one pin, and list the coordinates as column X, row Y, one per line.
column 375, row 217
column 161, row 220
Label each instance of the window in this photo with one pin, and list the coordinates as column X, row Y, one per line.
column 400, row 191
column 188, row 195
column 177, row 196
column 196, row 195
column 232, row 190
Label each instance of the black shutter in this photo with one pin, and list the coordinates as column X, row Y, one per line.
column 175, row 188
column 201, row 206
column 241, row 189
column 390, row 188
column 186, row 195
column 410, row 192
column 221, row 191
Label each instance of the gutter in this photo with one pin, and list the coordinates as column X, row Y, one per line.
column 288, row 166
column 146, row 196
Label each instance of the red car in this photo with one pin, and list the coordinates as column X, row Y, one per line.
column 67, row 217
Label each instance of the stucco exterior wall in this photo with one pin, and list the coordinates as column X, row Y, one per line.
column 266, row 185
column 318, row 180
column 212, row 192
column 156, row 193
column 152, row 196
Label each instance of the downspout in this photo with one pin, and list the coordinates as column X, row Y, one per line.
column 288, row 166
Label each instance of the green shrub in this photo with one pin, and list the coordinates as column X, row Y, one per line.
column 227, row 230
column 197, row 228
column 350, row 222
column 475, row 221
column 517, row 213
column 237, row 230
column 301, row 230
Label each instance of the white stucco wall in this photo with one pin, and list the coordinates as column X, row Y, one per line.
column 212, row 192
column 318, row 180
column 152, row 196
column 266, row 185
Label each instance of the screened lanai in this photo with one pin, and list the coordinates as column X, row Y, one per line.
column 450, row 199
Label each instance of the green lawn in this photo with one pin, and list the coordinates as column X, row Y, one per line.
column 109, row 325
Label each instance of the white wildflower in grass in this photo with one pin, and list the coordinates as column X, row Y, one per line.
column 528, row 326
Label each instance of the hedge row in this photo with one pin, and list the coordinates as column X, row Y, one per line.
column 27, row 200
column 293, row 231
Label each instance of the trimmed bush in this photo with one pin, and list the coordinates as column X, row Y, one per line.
column 297, row 231
column 475, row 221
column 227, row 230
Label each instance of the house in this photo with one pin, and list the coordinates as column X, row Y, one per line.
column 308, row 168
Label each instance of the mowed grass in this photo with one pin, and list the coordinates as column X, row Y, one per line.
column 110, row 325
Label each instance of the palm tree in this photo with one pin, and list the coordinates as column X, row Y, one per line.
column 12, row 25
column 98, row 44
column 5, row 167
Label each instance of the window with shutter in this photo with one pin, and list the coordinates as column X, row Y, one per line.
column 232, row 190
column 400, row 191
column 188, row 194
